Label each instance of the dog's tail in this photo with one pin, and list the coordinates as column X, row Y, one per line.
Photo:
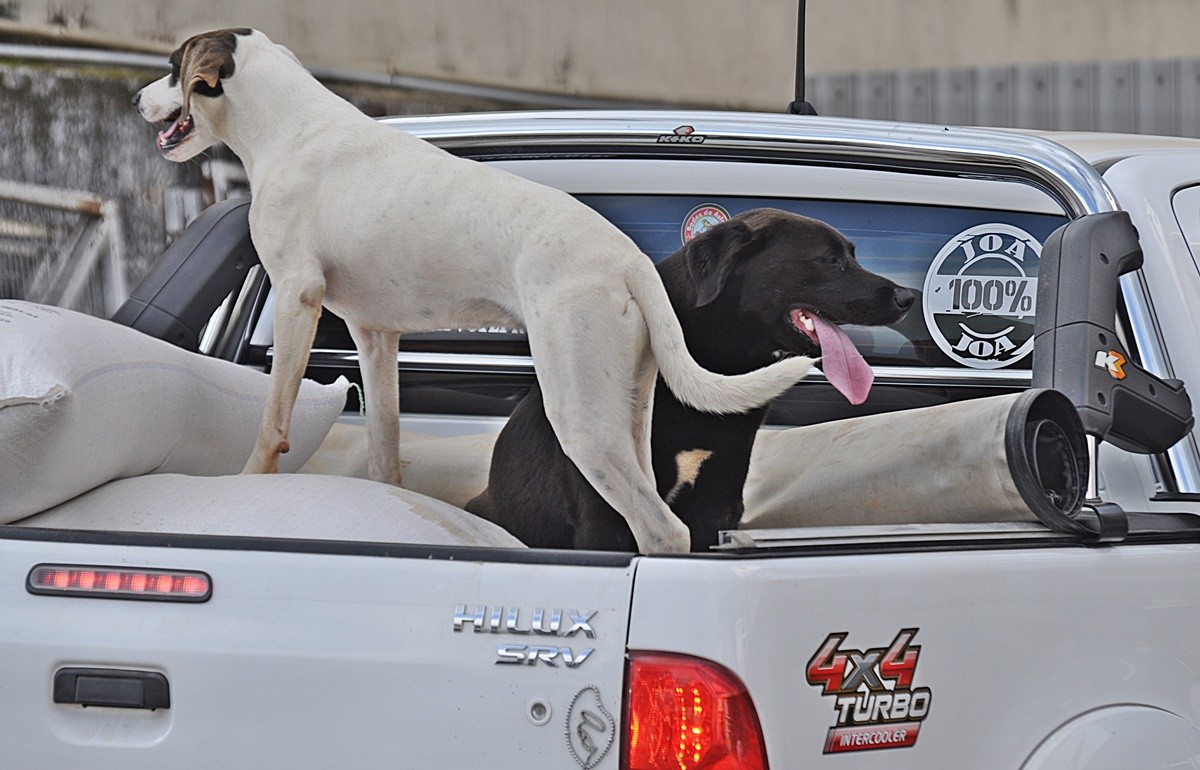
column 691, row 383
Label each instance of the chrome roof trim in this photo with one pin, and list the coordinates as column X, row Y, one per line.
column 924, row 148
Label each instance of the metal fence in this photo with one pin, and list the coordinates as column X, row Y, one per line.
column 61, row 247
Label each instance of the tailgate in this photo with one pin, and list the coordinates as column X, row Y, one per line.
column 936, row 659
column 403, row 657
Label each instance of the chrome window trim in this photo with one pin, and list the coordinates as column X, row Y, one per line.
column 915, row 147
column 484, row 363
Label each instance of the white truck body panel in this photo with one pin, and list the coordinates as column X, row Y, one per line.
column 307, row 660
column 1013, row 643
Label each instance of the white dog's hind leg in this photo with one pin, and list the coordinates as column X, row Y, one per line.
column 381, row 395
column 297, row 308
column 588, row 391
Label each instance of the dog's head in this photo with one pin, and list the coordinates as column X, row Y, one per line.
column 794, row 280
column 187, row 98
column 192, row 99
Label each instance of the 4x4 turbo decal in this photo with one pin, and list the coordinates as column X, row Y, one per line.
column 875, row 704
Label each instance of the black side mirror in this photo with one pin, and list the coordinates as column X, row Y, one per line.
column 194, row 275
column 1076, row 348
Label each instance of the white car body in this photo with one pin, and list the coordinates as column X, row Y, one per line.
column 1025, row 648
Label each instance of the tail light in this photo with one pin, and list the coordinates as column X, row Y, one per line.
column 119, row 583
column 684, row 713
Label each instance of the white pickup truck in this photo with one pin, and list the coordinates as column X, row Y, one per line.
column 1060, row 636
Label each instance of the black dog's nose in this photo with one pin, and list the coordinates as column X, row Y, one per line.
column 903, row 298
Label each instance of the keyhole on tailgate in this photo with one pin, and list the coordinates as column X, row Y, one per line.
column 538, row 711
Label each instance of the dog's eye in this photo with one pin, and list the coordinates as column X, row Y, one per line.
column 204, row 89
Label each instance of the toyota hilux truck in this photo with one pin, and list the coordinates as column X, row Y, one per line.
column 1012, row 586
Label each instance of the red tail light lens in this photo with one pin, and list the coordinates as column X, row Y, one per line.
column 685, row 713
column 119, row 583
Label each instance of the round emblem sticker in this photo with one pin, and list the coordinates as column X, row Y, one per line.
column 701, row 218
column 980, row 296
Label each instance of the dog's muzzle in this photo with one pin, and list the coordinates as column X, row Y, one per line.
column 172, row 136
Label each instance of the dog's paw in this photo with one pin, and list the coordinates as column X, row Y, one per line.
column 676, row 538
column 260, row 462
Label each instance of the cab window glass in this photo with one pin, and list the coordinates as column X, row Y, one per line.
column 974, row 270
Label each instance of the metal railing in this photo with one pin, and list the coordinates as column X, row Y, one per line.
column 85, row 269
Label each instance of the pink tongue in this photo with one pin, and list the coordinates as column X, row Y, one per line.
column 841, row 362
column 165, row 134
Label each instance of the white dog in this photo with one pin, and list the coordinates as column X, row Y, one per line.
column 396, row 235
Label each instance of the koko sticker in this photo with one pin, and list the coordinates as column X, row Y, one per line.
column 701, row 218
column 875, row 702
column 980, row 296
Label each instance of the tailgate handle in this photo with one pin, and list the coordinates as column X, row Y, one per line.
column 115, row 687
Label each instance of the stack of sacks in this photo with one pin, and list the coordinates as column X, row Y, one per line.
column 84, row 401
column 453, row 469
column 289, row 506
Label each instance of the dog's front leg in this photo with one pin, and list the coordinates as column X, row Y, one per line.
column 381, row 393
column 297, row 308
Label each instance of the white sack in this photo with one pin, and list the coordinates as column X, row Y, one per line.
column 942, row 464
column 453, row 469
column 84, row 401
column 289, row 506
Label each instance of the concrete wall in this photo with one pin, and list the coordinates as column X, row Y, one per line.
column 724, row 53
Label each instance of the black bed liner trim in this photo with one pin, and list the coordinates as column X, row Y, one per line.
column 618, row 560
column 331, row 547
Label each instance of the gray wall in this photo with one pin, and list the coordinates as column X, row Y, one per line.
column 705, row 52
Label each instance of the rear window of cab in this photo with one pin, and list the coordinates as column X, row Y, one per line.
column 974, row 271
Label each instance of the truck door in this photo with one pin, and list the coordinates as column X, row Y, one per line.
column 1161, row 192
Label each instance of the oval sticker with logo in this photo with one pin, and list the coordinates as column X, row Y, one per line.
column 700, row 219
column 980, row 296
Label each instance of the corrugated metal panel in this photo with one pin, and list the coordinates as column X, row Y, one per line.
column 1032, row 96
column 874, row 97
column 1142, row 96
column 1114, row 95
column 953, row 93
column 993, row 96
column 914, row 96
column 1157, row 102
column 1188, row 72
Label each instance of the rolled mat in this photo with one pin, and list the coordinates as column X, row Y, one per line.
column 1020, row 457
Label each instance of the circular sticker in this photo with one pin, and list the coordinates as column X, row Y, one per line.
column 701, row 218
column 980, row 296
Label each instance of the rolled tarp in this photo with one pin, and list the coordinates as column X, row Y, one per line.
column 1019, row 457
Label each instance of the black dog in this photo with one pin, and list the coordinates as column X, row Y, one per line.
column 763, row 284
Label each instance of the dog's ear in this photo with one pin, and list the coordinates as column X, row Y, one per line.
column 204, row 61
column 712, row 255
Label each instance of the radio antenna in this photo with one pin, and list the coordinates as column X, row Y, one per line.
column 799, row 106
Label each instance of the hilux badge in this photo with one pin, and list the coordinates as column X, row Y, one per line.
column 538, row 622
